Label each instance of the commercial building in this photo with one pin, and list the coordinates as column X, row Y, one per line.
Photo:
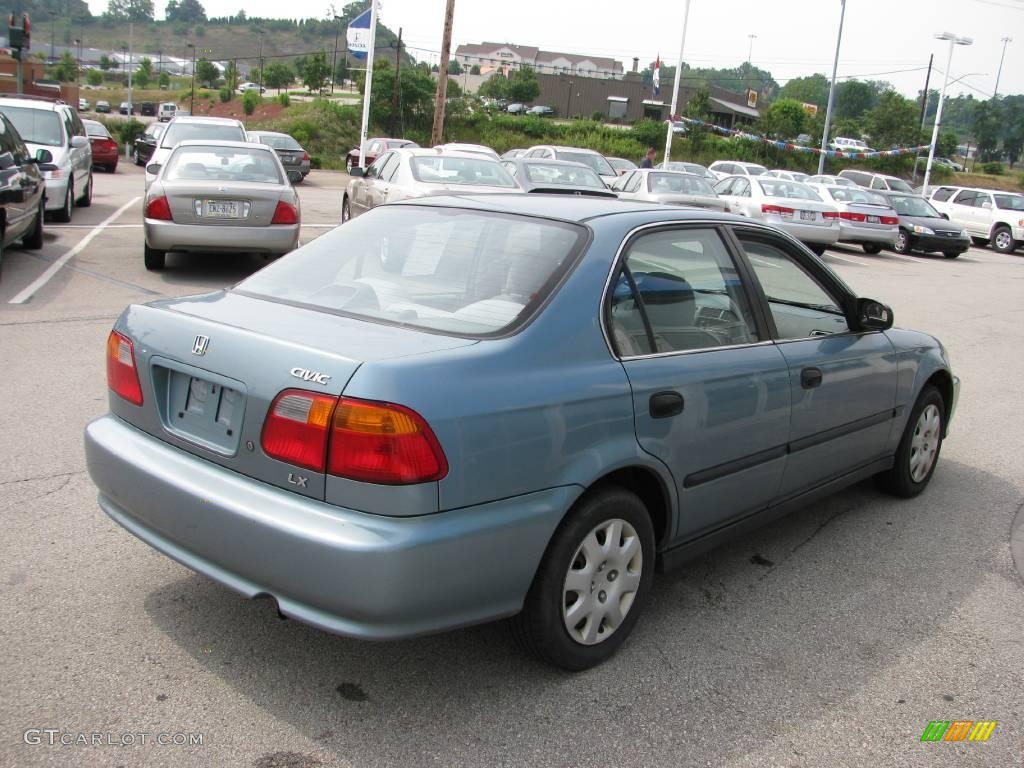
column 494, row 56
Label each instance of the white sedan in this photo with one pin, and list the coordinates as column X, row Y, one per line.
column 788, row 205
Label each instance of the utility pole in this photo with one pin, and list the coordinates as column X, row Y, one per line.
column 831, row 93
column 334, row 61
column 442, row 75
column 131, row 40
column 395, row 87
column 675, row 86
column 999, row 74
column 924, row 109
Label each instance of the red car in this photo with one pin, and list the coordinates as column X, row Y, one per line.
column 104, row 148
column 374, row 149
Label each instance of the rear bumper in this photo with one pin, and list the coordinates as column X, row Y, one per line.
column 171, row 236
column 849, row 233
column 343, row 571
column 807, row 233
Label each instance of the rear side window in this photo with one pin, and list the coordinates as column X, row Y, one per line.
column 450, row 270
column 1010, row 202
column 943, row 194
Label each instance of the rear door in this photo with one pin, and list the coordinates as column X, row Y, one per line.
column 710, row 392
column 963, row 211
column 842, row 383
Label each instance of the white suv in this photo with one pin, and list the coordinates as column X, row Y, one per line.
column 725, row 168
column 55, row 127
column 988, row 215
column 188, row 128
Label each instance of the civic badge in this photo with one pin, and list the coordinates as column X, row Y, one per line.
column 200, row 345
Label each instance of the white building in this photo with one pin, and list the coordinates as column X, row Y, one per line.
column 493, row 56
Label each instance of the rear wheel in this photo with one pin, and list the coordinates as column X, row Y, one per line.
column 919, row 448
column 1002, row 240
column 871, row 248
column 346, row 210
column 591, row 585
column 86, row 200
column 34, row 239
column 64, row 214
column 981, row 242
column 902, row 244
column 155, row 260
column 817, row 248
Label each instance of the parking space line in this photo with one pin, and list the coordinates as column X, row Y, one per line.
column 54, row 268
column 846, row 259
column 90, row 226
column 98, row 275
column 905, row 258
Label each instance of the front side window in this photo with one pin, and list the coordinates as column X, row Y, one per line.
column 223, row 164
column 634, row 182
column 450, row 270
column 387, row 172
column 678, row 291
column 375, row 167
column 800, row 306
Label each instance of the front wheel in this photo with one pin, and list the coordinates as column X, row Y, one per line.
column 86, row 200
column 64, row 214
column 902, row 244
column 346, row 210
column 919, row 448
column 871, row 248
column 1002, row 240
column 592, row 584
column 155, row 260
column 34, row 239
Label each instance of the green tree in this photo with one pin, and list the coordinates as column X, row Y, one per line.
column 495, row 87
column 105, row 62
column 417, row 104
column 784, row 119
column 854, row 98
column 165, row 80
column 947, row 144
column 523, row 85
column 454, row 68
column 231, row 76
column 67, row 68
column 699, row 105
column 807, row 90
column 94, row 77
column 250, row 100
column 987, row 129
column 130, row 10
column 189, row 11
column 316, row 72
column 893, row 122
column 1013, row 127
column 206, row 72
column 144, row 74
column 278, row 75
column 475, row 69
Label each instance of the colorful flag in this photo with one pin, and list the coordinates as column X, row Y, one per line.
column 358, row 34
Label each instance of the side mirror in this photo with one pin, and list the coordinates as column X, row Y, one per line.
column 945, row 216
column 77, row 142
column 987, row 205
column 43, row 156
column 153, row 169
column 873, row 315
column 294, row 177
column 356, row 171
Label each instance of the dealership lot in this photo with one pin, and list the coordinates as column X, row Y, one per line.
column 832, row 637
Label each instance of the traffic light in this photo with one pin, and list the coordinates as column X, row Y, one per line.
column 19, row 36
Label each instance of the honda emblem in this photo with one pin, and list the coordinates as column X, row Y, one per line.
column 200, row 345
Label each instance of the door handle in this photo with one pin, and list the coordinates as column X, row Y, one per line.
column 810, row 378
column 665, row 404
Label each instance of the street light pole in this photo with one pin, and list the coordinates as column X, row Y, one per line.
column 953, row 40
column 78, row 61
column 260, row 31
column 53, row 25
column 192, row 98
column 831, row 93
column 334, row 61
column 675, row 87
column 750, row 50
column 999, row 74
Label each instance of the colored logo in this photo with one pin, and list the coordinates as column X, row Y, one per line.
column 958, row 730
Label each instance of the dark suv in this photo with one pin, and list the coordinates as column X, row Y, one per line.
column 147, row 109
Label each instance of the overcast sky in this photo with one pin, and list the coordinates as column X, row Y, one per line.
column 882, row 39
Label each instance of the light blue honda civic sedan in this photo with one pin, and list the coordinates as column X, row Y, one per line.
column 458, row 409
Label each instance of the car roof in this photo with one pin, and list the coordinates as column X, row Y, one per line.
column 571, row 208
column 223, row 143
column 561, row 148
column 546, row 161
column 205, row 119
column 438, row 152
column 15, row 100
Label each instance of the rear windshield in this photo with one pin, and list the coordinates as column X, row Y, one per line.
column 913, row 206
column 899, row 185
column 783, row 188
column 1010, row 202
column 678, row 183
column 857, row 195
column 222, row 164
column 96, row 129
column 539, row 173
column 595, row 161
column 441, row 169
column 280, row 142
column 755, row 170
column 449, row 270
column 37, row 126
column 202, row 131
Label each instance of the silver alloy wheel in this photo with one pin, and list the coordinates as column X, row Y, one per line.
column 1003, row 240
column 925, row 443
column 602, row 581
column 901, row 242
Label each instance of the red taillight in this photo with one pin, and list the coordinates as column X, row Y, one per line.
column 297, row 428
column 851, row 216
column 285, row 213
column 383, row 443
column 122, row 375
column 892, row 221
column 159, row 208
column 830, row 215
column 778, row 210
column 305, row 155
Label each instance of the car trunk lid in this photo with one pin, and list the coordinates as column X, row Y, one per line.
column 222, row 203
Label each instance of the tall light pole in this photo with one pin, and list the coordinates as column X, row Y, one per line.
column 831, row 93
column 953, row 40
column 78, row 61
column 675, row 87
column 260, row 33
column 334, row 61
column 192, row 98
column 53, row 23
column 750, row 49
column 999, row 74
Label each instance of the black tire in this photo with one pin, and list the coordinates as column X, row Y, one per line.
column 981, row 242
column 349, row 162
column 346, row 210
column 64, row 214
column 155, row 260
column 899, row 480
column 136, row 158
column 902, row 244
column 1002, row 240
column 540, row 628
column 33, row 241
column 86, row 200
column 951, row 254
column 871, row 248
column 817, row 249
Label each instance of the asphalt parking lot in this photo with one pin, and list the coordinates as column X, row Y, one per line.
column 830, row 638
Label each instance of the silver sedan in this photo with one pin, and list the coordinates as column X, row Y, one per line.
column 788, row 205
column 220, row 196
column 866, row 218
column 401, row 174
column 670, row 188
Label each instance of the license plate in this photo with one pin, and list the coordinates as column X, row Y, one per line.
column 204, row 411
column 874, row 220
column 808, row 215
column 291, row 160
column 222, row 209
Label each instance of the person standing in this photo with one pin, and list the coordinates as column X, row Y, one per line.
column 648, row 161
